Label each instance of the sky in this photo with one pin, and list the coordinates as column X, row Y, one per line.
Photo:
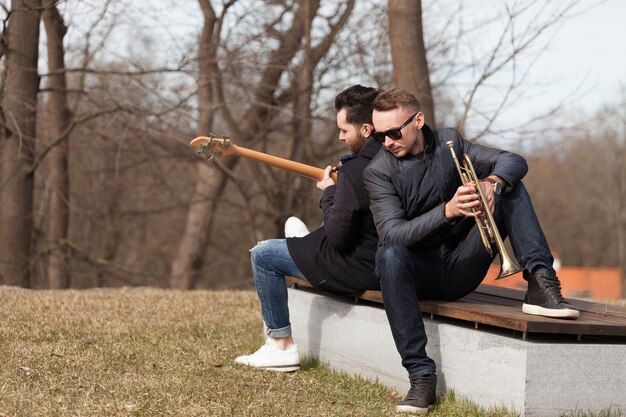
column 588, row 55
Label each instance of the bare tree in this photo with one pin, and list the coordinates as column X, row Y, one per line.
column 507, row 62
column 578, row 186
column 195, row 237
column 18, row 105
column 253, row 125
column 263, row 72
column 59, row 123
column 408, row 52
column 472, row 62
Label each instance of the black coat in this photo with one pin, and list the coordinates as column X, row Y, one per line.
column 339, row 256
column 408, row 194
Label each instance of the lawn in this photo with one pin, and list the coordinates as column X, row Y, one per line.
column 151, row 352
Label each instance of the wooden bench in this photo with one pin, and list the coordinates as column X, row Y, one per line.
column 501, row 307
column 485, row 348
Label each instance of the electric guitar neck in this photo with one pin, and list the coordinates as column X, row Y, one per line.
column 216, row 146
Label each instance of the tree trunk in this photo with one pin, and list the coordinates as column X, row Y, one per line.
column 58, row 217
column 190, row 257
column 195, row 236
column 408, row 53
column 19, row 110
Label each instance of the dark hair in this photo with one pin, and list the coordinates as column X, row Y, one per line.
column 358, row 102
column 394, row 98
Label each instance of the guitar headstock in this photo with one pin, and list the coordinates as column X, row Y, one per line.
column 211, row 146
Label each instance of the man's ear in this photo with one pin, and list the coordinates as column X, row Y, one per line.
column 366, row 130
column 419, row 120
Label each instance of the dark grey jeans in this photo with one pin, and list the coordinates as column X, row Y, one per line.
column 451, row 271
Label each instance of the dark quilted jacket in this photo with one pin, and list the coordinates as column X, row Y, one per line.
column 408, row 194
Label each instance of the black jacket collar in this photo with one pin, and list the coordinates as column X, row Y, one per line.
column 430, row 142
column 368, row 150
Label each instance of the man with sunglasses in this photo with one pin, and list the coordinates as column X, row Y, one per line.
column 339, row 256
column 429, row 244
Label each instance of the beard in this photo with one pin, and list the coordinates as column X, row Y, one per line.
column 358, row 144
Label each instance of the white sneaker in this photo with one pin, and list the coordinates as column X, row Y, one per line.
column 271, row 358
column 294, row 227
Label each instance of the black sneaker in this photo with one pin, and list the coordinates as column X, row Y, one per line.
column 421, row 397
column 543, row 297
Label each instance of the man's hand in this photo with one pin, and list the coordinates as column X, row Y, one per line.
column 487, row 186
column 464, row 200
column 490, row 195
column 326, row 181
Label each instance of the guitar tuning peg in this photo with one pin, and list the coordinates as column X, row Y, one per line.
column 202, row 150
column 203, row 153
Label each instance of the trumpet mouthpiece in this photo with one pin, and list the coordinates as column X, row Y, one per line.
column 449, row 144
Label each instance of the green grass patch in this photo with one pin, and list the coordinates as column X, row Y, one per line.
column 151, row 352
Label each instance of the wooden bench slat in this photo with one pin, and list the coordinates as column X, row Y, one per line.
column 588, row 306
column 599, row 311
column 501, row 307
column 596, row 315
column 512, row 317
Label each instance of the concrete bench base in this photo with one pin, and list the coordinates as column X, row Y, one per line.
column 533, row 378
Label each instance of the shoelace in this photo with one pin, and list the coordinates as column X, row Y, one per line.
column 418, row 387
column 553, row 286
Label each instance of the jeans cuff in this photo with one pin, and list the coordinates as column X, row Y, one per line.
column 422, row 373
column 282, row 332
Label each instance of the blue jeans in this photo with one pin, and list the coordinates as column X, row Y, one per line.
column 271, row 261
column 451, row 271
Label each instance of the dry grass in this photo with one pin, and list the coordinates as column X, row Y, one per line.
column 153, row 352
column 149, row 352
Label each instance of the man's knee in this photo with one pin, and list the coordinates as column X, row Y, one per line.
column 390, row 259
column 261, row 253
column 390, row 253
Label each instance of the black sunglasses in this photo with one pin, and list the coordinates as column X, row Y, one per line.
column 394, row 134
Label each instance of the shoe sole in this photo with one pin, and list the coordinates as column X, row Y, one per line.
column 413, row 409
column 565, row 313
column 281, row 368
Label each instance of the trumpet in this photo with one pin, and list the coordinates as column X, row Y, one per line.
column 486, row 224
